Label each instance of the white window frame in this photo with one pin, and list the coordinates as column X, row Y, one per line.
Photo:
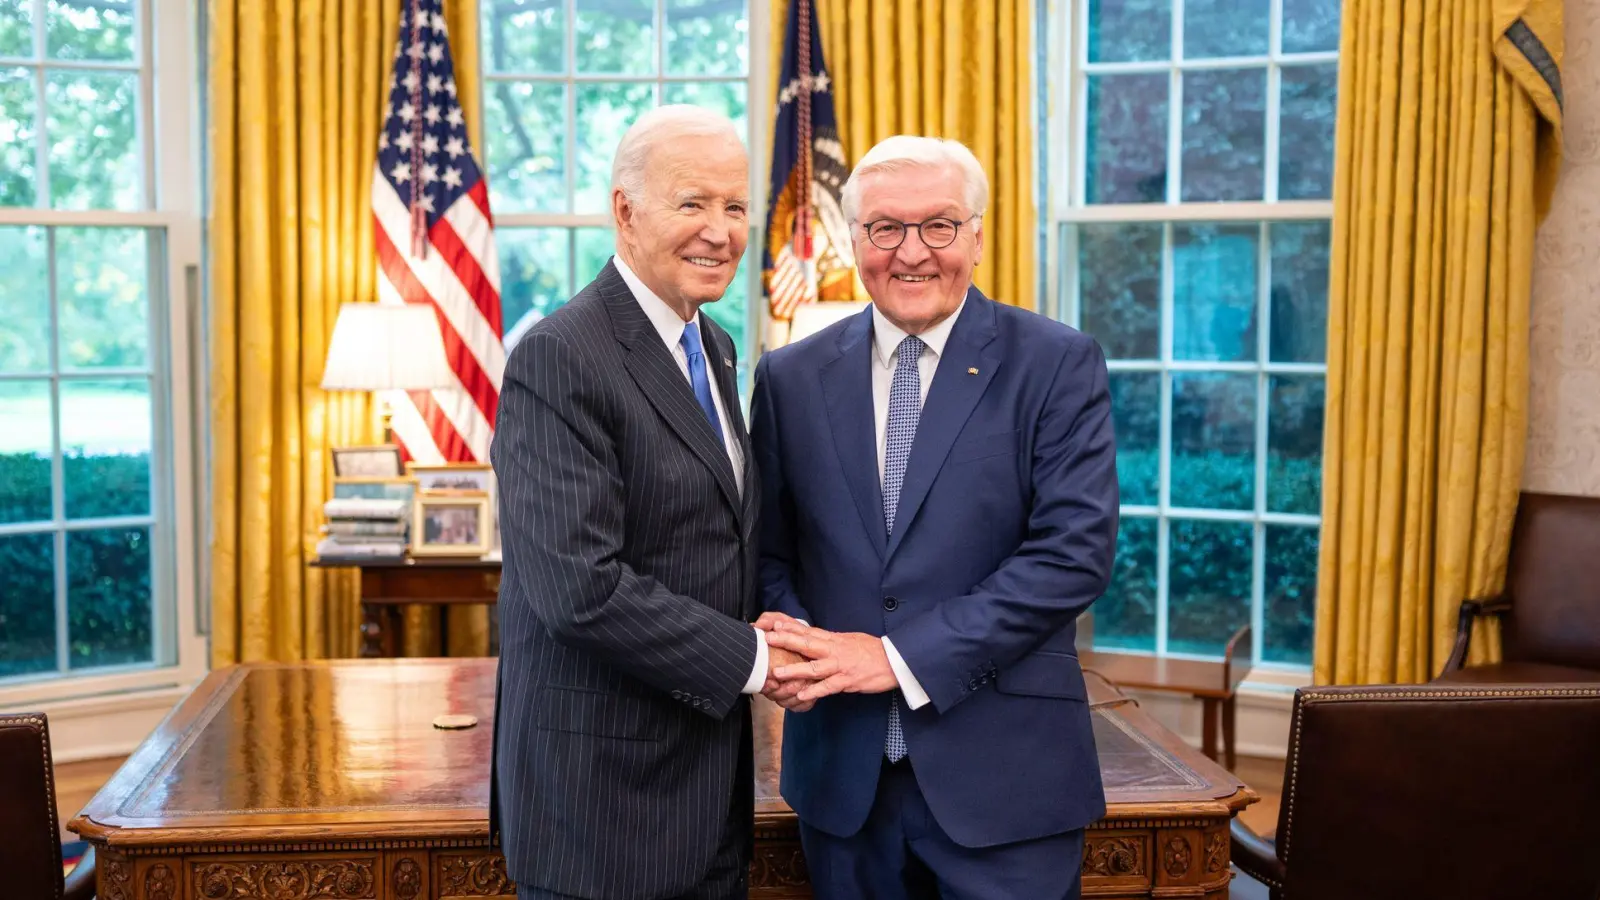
column 168, row 129
column 1068, row 23
column 758, row 110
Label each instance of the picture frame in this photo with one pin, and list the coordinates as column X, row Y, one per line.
column 453, row 478
column 451, row 525
column 401, row 488
column 376, row 461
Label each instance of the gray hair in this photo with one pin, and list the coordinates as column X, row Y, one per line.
column 658, row 126
column 904, row 151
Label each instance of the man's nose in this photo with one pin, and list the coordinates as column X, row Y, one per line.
column 716, row 229
column 912, row 250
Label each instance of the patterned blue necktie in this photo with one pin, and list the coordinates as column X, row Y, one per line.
column 905, row 408
column 690, row 342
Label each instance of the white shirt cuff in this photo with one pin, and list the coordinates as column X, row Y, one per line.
column 758, row 675
column 915, row 696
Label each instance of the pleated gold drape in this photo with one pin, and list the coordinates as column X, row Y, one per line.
column 297, row 91
column 1448, row 145
column 957, row 69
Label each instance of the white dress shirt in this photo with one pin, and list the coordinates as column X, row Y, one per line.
column 669, row 325
column 886, row 340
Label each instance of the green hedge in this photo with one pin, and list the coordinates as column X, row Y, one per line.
column 108, row 570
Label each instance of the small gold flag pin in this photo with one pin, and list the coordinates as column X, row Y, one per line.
column 972, row 371
column 728, row 363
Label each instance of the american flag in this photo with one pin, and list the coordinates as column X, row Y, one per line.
column 808, row 253
column 435, row 243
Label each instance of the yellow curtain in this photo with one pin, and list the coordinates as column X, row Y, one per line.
column 949, row 68
column 1448, row 145
column 296, row 95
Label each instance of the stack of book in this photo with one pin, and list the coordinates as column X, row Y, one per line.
column 359, row 528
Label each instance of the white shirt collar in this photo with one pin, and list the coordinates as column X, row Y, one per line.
column 666, row 319
column 886, row 337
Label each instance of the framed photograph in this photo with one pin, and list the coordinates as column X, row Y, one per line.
column 445, row 525
column 378, row 461
column 402, row 488
column 453, row 478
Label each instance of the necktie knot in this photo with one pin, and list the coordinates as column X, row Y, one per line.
column 690, row 342
column 910, row 351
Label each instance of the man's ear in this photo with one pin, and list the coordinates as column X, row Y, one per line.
column 621, row 211
column 977, row 243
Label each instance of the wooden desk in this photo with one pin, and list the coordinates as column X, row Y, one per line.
column 388, row 585
column 327, row 780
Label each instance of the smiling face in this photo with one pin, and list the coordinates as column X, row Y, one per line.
column 685, row 233
column 914, row 286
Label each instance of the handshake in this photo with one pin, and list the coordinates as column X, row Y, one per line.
column 805, row 664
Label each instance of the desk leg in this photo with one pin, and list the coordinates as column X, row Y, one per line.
column 1208, row 744
column 372, row 636
column 1228, row 732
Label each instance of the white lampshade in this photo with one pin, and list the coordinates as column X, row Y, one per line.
column 386, row 346
column 810, row 318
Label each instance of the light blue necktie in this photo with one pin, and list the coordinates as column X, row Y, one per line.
column 905, row 408
column 690, row 342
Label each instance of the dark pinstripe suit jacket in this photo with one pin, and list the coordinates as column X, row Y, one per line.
column 621, row 735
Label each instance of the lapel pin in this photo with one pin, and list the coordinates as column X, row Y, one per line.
column 728, row 363
column 972, row 371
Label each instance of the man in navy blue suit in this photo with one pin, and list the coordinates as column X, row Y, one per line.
column 939, row 505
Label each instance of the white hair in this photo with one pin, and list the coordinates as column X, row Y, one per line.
column 656, row 127
column 904, row 151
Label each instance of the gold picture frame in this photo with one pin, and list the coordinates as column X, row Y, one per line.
column 374, row 461
column 451, row 525
column 452, row 478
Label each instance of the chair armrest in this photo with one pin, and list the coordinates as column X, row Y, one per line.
column 1471, row 610
column 1256, row 856
column 80, row 881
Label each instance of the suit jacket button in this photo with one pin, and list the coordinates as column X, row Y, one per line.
column 891, row 604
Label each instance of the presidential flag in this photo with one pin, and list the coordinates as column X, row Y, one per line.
column 435, row 243
column 808, row 255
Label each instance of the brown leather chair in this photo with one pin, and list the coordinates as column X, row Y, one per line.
column 1550, row 610
column 1407, row 792
column 30, row 853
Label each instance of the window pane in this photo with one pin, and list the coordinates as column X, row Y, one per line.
column 1129, row 30
column 1310, row 26
column 616, row 36
column 1126, row 139
column 726, row 97
column 1125, row 616
column 604, row 113
column 108, row 597
column 18, row 145
column 1289, row 610
column 524, row 128
column 1213, row 440
column 90, row 120
column 1208, row 585
column 595, row 246
column 1119, row 289
column 524, row 36
column 1294, row 444
column 24, row 452
column 1300, row 291
column 1224, row 134
column 103, row 286
column 105, row 447
column 1214, row 275
column 90, row 29
column 16, row 30
column 1225, row 28
column 533, row 274
column 24, row 301
column 1136, row 418
column 1307, row 108
column 27, row 604
column 707, row 37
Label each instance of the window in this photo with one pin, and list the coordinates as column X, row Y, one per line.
column 562, row 80
column 98, row 220
column 1190, row 231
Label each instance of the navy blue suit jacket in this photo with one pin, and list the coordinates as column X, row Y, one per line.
column 1005, row 533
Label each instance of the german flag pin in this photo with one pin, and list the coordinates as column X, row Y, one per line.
column 972, row 371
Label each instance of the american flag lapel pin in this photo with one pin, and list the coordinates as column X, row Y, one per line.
column 728, row 363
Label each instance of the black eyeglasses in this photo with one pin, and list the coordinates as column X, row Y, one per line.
column 937, row 233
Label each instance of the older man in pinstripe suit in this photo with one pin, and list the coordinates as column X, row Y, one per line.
column 628, row 505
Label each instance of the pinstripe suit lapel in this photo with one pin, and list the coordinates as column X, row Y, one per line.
column 663, row 384
column 720, row 353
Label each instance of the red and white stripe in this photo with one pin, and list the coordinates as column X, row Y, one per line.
column 793, row 282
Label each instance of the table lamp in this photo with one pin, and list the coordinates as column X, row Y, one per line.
column 386, row 347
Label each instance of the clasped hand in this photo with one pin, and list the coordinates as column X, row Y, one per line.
column 805, row 664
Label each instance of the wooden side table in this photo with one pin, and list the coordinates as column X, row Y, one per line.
column 387, row 585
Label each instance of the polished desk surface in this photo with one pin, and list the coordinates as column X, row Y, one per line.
column 291, row 756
